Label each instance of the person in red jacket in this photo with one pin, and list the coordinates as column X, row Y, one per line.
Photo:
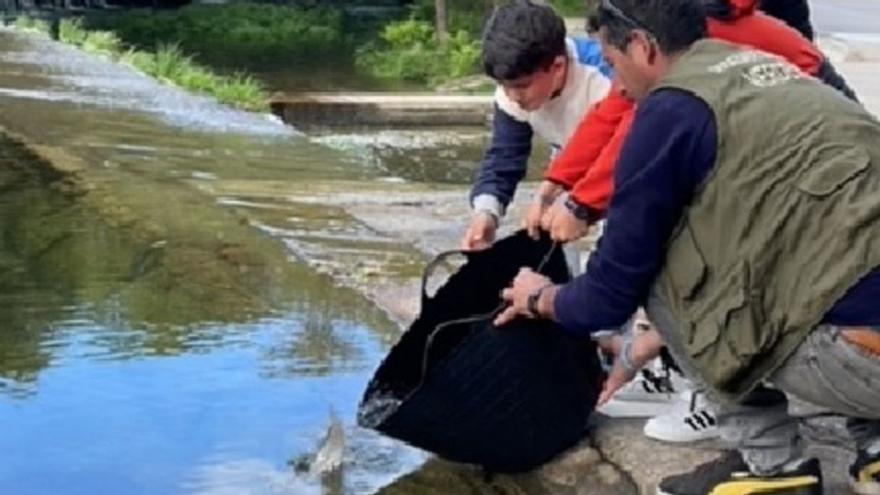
column 585, row 166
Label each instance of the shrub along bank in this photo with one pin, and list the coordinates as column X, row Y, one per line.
column 167, row 63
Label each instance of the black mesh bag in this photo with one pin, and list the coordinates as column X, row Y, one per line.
column 508, row 399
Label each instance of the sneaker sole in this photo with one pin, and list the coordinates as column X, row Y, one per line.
column 627, row 409
column 679, row 440
column 757, row 488
column 693, row 436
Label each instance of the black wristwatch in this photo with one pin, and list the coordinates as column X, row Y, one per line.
column 580, row 212
column 532, row 301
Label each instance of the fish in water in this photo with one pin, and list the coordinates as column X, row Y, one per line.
column 328, row 458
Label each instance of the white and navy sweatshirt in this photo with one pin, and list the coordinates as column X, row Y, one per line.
column 504, row 163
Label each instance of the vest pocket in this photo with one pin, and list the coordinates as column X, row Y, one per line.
column 832, row 173
column 728, row 330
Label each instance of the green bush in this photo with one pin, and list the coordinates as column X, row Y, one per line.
column 72, row 31
column 231, row 33
column 462, row 15
column 242, row 90
column 464, row 55
column 409, row 51
column 104, row 42
column 169, row 64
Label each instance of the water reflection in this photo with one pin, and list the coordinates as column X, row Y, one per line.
column 152, row 339
column 318, row 347
column 88, row 307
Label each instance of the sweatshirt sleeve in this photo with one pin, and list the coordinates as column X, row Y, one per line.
column 666, row 155
column 593, row 191
column 589, row 139
column 504, row 163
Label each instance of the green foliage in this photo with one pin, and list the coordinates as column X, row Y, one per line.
column 408, row 33
column 72, row 31
column 572, row 8
column 242, row 90
column 234, row 31
column 104, row 42
column 410, row 51
column 169, row 64
column 31, row 24
column 462, row 15
column 464, row 55
column 143, row 61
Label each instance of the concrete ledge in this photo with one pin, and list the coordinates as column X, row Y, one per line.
column 381, row 109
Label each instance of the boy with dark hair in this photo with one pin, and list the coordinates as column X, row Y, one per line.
column 546, row 83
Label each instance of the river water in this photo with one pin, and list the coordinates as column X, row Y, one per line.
column 166, row 324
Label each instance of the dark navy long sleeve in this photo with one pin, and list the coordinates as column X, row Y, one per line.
column 670, row 149
column 504, row 164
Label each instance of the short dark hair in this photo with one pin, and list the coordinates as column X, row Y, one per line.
column 718, row 9
column 674, row 24
column 520, row 38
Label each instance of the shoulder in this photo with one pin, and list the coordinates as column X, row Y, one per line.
column 587, row 52
column 509, row 107
column 669, row 122
column 675, row 106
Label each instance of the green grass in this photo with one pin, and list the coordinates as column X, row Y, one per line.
column 168, row 64
column 31, row 24
column 103, row 42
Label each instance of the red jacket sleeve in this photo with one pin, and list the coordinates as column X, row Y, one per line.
column 594, row 189
column 759, row 30
column 589, row 139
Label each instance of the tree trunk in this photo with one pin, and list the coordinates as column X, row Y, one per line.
column 442, row 25
column 488, row 8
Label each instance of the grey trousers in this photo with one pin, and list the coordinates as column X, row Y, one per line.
column 827, row 380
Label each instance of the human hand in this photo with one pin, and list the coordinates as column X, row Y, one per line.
column 631, row 357
column 532, row 220
column 526, row 283
column 564, row 226
column 544, row 198
column 480, row 233
column 617, row 378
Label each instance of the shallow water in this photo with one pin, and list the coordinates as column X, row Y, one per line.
column 168, row 322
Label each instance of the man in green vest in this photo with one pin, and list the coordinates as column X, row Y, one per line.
column 746, row 218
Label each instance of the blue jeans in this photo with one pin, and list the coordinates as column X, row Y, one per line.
column 826, row 379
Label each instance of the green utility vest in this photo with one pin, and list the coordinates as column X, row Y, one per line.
column 785, row 223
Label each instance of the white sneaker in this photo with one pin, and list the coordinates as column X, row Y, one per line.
column 691, row 420
column 650, row 393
